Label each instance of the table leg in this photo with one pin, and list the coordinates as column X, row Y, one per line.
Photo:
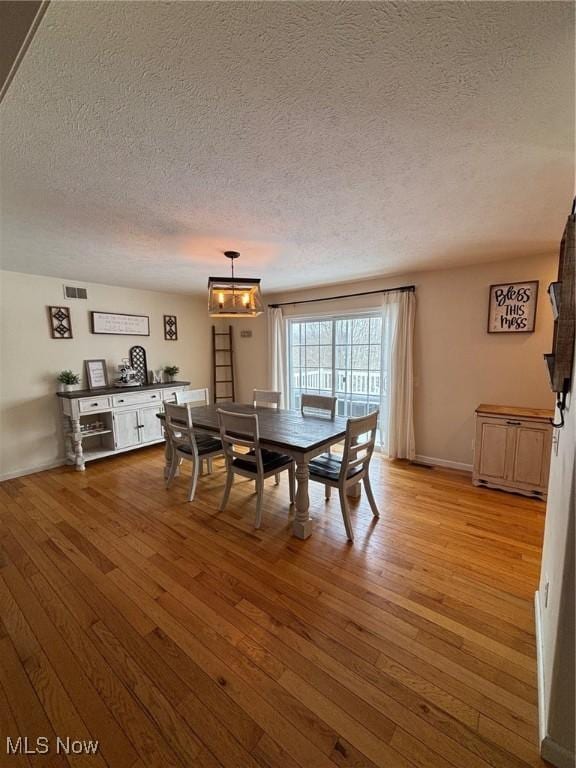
column 167, row 455
column 77, row 442
column 354, row 491
column 302, row 527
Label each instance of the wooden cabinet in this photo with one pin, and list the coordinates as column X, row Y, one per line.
column 113, row 420
column 512, row 449
column 132, row 427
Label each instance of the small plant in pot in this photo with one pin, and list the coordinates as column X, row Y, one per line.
column 69, row 381
column 171, row 371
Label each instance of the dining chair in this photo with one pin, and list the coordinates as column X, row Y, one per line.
column 197, row 397
column 317, row 405
column 241, row 429
column 187, row 444
column 266, row 398
column 354, row 465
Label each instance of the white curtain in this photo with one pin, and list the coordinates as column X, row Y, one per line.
column 277, row 354
column 397, row 404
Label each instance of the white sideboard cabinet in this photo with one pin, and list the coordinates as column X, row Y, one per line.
column 107, row 421
column 512, row 449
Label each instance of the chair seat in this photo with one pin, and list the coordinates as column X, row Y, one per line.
column 328, row 466
column 205, row 444
column 270, row 461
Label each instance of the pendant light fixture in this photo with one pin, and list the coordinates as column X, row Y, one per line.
column 234, row 296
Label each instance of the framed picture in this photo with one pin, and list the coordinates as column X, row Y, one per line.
column 512, row 307
column 170, row 328
column 119, row 324
column 96, row 373
column 60, row 322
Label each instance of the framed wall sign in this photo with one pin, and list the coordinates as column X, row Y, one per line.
column 170, row 328
column 512, row 307
column 60, row 322
column 119, row 324
column 96, row 373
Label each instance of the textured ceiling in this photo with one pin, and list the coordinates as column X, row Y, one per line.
column 325, row 141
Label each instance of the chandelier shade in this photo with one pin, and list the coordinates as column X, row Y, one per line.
column 234, row 296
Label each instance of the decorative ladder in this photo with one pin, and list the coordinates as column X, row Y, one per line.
column 223, row 365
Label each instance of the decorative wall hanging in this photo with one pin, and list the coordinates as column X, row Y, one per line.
column 234, row 296
column 119, row 324
column 139, row 363
column 560, row 361
column 170, row 328
column 512, row 307
column 96, row 373
column 60, row 322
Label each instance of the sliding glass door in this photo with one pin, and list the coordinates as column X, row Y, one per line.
column 339, row 356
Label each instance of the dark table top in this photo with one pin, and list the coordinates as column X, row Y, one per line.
column 115, row 390
column 285, row 429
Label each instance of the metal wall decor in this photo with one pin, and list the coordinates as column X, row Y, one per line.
column 60, row 322
column 170, row 328
column 139, row 363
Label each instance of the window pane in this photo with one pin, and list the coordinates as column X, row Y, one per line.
column 360, row 356
column 340, row 382
column 375, row 329
column 375, row 357
column 326, row 357
column 341, row 331
column 341, row 356
column 360, row 329
column 295, row 328
column 312, row 357
column 312, row 333
column 326, row 332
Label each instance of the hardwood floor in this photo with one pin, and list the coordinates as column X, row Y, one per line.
column 179, row 636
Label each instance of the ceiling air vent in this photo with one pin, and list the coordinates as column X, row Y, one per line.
column 71, row 292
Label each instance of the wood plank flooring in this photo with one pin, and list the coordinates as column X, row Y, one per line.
column 175, row 635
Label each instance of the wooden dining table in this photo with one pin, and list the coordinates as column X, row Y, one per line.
column 288, row 432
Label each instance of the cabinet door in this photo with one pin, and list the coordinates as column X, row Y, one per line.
column 126, row 431
column 531, row 455
column 494, row 450
column 151, row 426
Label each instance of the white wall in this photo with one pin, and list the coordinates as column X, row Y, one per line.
column 556, row 613
column 30, row 359
column 458, row 365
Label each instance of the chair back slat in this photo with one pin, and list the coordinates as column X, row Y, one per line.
column 196, row 397
column 240, row 429
column 359, row 442
column 180, row 427
column 267, row 398
column 317, row 405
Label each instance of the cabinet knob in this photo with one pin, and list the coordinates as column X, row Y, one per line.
column 514, row 423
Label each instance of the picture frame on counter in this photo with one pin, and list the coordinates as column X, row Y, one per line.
column 96, row 374
column 119, row 324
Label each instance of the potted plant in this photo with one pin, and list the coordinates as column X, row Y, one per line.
column 69, row 381
column 171, row 371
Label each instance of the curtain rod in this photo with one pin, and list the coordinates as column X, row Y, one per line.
column 408, row 288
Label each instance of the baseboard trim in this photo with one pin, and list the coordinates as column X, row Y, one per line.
column 432, row 462
column 31, row 470
column 556, row 754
